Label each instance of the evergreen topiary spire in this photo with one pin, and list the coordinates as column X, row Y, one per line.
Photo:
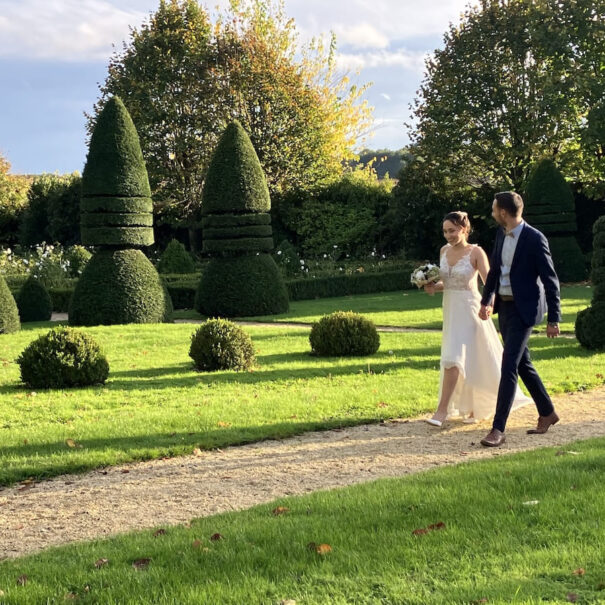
column 9, row 314
column 116, row 208
column 590, row 322
column 241, row 279
column 549, row 206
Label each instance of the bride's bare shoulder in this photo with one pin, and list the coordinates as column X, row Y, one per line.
column 443, row 249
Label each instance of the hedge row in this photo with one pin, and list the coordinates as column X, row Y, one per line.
column 182, row 288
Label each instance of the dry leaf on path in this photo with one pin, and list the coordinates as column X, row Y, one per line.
column 197, row 452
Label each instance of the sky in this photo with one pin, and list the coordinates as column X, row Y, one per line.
column 54, row 55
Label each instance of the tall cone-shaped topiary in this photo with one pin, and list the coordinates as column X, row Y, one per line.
column 9, row 314
column 242, row 279
column 590, row 322
column 119, row 283
column 549, row 206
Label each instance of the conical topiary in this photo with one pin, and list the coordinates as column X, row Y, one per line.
column 116, row 199
column 33, row 301
column 176, row 259
column 9, row 314
column 242, row 279
column 590, row 322
column 119, row 283
column 549, row 206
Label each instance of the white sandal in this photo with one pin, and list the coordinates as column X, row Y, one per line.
column 433, row 422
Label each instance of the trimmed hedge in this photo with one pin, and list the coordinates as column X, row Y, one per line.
column 176, row 259
column 117, row 219
column 549, row 206
column 132, row 237
column 241, row 231
column 590, row 322
column 119, row 287
column 116, row 204
column 9, row 314
column 235, row 220
column 219, row 344
column 115, row 165
column 244, row 244
column 344, row 333
column 63, row 358
column 241, row 286
column 34, row 301
column 235, row 181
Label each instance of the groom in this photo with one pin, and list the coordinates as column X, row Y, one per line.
column 520, row 285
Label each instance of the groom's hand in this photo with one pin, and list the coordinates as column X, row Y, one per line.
column 552, row 330
column 485, row 312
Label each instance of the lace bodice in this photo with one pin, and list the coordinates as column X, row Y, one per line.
column 461, row 276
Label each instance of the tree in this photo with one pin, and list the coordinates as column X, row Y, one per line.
column 511, row 85
column 184, row 79
column 13, row 201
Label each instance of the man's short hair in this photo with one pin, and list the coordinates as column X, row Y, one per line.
column 510, row 201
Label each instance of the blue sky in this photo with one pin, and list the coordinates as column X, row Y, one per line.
column 54, row 53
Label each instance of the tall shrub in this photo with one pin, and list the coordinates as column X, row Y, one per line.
column 119, row 284
column 549, row 206
column 242, row 278
column 9, row 315
column 590, row 322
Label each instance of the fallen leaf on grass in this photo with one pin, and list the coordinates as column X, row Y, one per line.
column 439, row 525
column 70, row 596
column 72, row 444
column 323, row 549
column 420, row 531
column 579, row 572
column 382, row 404
column 22, row 580
column 572, row 597
column 223, row 424
column 280, row 510
column 432, row 527
column 141, row 563
column 101, row 563
column 159, row 532
column 531, row 503
column 478, row 601
column 197, row 544
column 287, row 602
column 215, row 537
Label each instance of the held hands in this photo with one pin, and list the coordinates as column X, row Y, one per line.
column 485, row 312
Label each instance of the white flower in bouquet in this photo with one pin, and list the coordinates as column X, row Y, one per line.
column 425, row 274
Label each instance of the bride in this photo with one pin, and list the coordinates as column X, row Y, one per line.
column 471, row 352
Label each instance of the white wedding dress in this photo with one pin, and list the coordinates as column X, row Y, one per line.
column 469, row 343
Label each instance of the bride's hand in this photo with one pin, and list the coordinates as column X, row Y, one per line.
column 485, row 312
column 430, row 289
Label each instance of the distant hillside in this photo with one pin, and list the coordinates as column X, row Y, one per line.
column 387, row 161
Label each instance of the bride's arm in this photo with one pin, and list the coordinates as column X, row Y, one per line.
column 438, row 286
column 480, row 262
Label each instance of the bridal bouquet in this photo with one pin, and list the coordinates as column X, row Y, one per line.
column 425, row 274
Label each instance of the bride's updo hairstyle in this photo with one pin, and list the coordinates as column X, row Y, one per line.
column 460, row 219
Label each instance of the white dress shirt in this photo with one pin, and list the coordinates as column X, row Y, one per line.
column 508, row 253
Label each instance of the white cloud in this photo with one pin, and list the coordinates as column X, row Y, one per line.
column 69, row 30
column 409, row 60
column 363, row 35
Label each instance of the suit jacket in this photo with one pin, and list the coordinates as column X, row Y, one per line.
column 533, row 279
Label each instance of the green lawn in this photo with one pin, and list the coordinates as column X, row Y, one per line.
column 409, row 308
column 154, row 404
column 525, row 529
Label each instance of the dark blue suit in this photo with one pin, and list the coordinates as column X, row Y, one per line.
column 535, row 288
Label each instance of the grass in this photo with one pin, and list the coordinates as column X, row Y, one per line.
column 525, row 529
column 154, row 404
column 409, row 309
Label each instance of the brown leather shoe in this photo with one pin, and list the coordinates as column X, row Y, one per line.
column 494, row 439
column 544, row 423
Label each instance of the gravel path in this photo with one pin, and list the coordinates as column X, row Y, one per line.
column 165, row 492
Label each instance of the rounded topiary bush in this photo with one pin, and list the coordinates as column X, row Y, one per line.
column 176, row 259
column 590, row 326
column 342, row 334
column 63, row 357
column 78, row 257
column 9, row 314
column 34, row 301
column 219, row 344
column 119, row 287
column 241, row 287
